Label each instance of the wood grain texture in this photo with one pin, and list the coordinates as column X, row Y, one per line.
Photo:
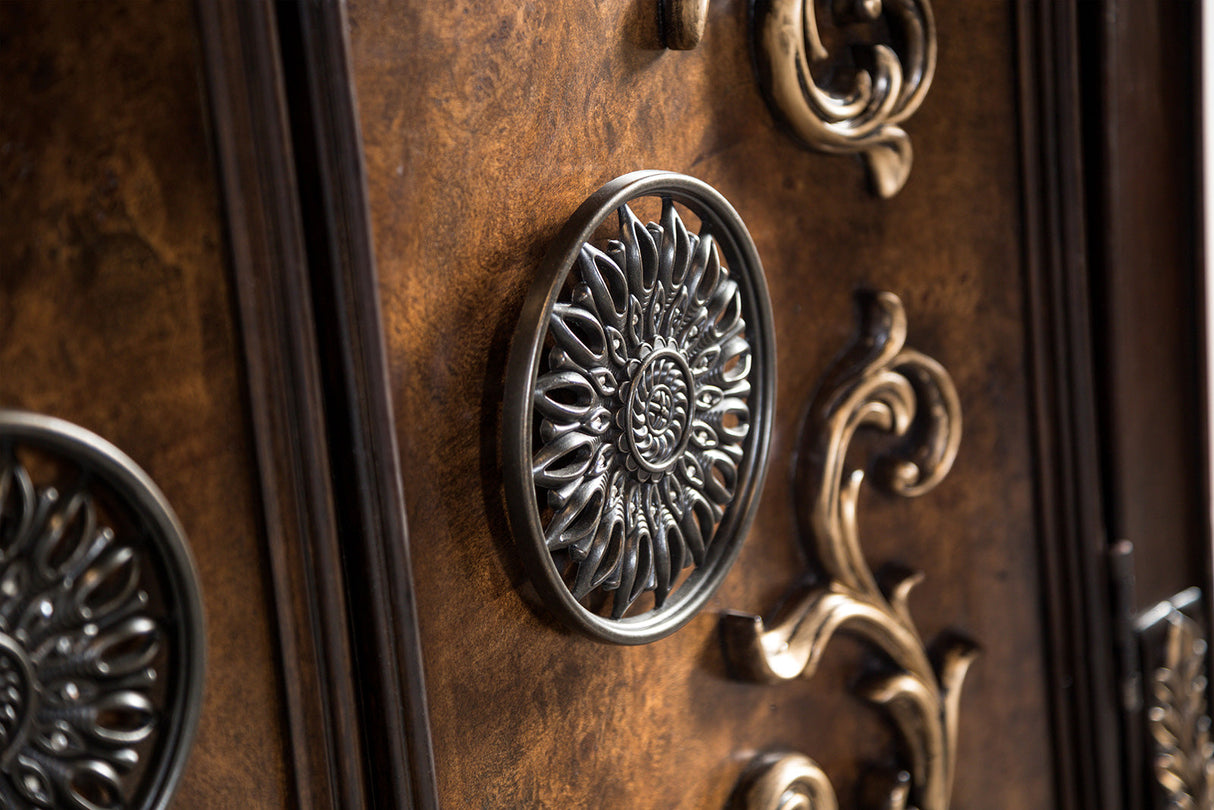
column 366, row 474
column 485, row 125
column 115, row 313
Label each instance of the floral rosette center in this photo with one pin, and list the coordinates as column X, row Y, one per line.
column 655, row 411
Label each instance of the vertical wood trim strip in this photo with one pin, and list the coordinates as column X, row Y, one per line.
column 266, row 244
column 362, row 428
column 1073, row 544
column 1204, row 141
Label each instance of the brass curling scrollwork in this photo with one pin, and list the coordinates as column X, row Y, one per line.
column 853, row 100
column 879, row 384
column 682, row 23
column 786, row 781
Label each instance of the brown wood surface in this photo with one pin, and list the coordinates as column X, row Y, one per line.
column 1147, row 274
column 116, row 313
column 266, row 232
column 1043, row 278
column 1143, row 164
column 485, row 125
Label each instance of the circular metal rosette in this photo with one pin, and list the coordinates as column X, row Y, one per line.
column 101, row 629
column 638, row 408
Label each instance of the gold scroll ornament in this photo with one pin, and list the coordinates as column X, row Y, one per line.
column 843, row 108
column 879, row 384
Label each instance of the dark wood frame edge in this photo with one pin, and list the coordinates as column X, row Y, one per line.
column 368, row 483
column 1076, row 609
column 1119, row 53
column 286, row 398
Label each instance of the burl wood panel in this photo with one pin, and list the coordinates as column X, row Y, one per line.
column 485, row 125
column 115, row 313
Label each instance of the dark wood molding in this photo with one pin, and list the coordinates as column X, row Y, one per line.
column 286, row 399
column 1073, row 542
column 362, row 430
column 1141, row 65
column 1140, row 69
column 1202, row 258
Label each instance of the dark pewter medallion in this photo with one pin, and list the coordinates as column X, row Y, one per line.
column 101, row 629
column 638, row 408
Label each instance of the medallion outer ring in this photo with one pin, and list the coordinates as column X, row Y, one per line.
column 149, row 506
column 720, row 219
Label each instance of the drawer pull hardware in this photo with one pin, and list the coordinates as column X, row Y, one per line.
column 101, row 633
column 638, row 409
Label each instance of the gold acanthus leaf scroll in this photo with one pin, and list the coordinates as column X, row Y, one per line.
column 877, row 384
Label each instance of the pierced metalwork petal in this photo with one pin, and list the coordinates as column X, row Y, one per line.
column 641, row 386
column 101, row 637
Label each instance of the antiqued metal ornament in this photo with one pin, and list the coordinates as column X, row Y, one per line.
column 638, row 409
column 101, row 629
column 849, row 99
column 682, row 23
column 880, row 384
column 1178, row 717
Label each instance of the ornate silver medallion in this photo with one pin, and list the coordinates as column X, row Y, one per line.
column 641, row 385
column 101, row 639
